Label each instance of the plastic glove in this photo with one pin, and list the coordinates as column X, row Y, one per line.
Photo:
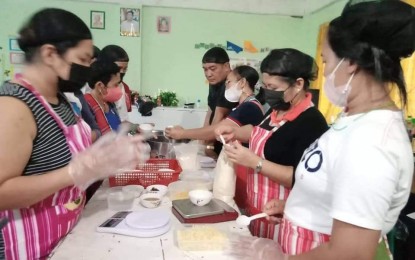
column 247, row 247
column 108, row 156
column 228, row 133
column 275, row 210
column 239, row 154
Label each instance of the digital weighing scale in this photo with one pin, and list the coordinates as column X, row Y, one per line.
column 215, row 211
column 146, row 223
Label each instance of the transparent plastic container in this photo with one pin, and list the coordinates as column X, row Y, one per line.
column 119, row 200
column 201, row 238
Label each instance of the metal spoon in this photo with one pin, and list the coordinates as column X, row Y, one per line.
column 243, row 220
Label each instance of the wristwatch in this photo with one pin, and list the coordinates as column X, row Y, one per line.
column 258, row 167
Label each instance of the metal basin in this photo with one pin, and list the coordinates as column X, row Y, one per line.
column 162, row 147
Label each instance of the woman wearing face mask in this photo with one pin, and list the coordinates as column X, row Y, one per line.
column 279, row 140
column 355, row 179
column 46, row 162
column 240, row 85
column 104, row 81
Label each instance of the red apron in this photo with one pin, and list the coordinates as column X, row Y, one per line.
column 260, row 189
column 33, row 232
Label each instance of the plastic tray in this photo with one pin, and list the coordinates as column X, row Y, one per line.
column 149, row 173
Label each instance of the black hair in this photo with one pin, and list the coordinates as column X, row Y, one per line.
column 131, row 12
column 114, row 53
column 290, row 64
column 261, row 96
column 248, row 73
column 58, row 27
column 102, row 70
column 96, row 52
column 215, row 55
column 375, row 36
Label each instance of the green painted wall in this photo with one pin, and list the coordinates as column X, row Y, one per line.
column 15, row 12
column 170, row 61
column 312, row 24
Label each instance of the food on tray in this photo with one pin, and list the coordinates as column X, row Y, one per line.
column 199, row 238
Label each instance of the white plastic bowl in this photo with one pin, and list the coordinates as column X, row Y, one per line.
column 200, row 197
column 146, row 130
column 150, row 200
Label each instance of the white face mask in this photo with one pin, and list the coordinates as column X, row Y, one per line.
column 233, row 93
column 337, row 94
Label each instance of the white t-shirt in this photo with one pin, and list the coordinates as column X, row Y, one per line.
column 130, row 28
column 121, row 105
column 359, row 172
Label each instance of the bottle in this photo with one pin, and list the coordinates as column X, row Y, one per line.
column 158, row 101
column 198, row 103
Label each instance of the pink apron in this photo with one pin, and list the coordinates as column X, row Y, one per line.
column 295, row 240
column 33, row 232
column 260, row 189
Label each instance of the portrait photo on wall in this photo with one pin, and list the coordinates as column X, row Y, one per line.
column 97, row 20
column 130, row 22
column 163, row 24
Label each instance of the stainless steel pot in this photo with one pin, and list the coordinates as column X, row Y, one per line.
column 162, row 147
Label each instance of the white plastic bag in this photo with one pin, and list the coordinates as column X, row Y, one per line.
column 187, row 156
column 225, row 180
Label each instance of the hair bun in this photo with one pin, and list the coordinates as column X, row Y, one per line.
column 387, row 25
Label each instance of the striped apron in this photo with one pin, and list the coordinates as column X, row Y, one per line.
column 260, row 189
column 296, row 240
column 33, row 232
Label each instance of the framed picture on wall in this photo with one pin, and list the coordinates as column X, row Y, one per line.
column 97, row 20
column 163, row 24
column 14, row 45
column 130, row 22
column 17, row 58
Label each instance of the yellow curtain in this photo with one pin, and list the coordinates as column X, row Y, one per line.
column 330, row 111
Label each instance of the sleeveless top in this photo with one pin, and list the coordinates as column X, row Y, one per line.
column 50, row 149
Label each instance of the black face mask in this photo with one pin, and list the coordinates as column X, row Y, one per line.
column 122, row 74
column 78, row 76
column 275, row 99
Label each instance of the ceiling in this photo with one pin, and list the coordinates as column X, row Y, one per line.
column 276, row 7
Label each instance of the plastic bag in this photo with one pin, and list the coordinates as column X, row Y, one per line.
column 225, row 180
column 187, row 156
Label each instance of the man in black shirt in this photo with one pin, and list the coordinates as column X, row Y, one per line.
column 216, row 68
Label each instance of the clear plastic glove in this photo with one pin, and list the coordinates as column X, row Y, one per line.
column 254, row 248
column 239, row 154
column 275, row 210
column 175, row 132
column 108, row 156
column 228, row 133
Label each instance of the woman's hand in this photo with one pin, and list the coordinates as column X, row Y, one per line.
column 275, row 210
column 175, row 132
column 228, row 133
column 111, row 154
column 241, row 155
